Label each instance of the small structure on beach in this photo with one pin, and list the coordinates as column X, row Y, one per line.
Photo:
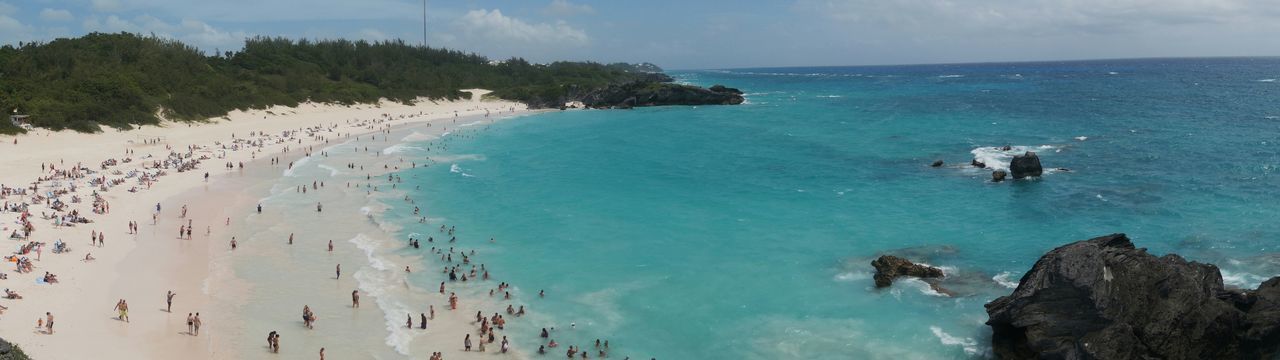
column 22, row 121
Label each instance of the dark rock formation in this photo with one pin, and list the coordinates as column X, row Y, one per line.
column 654, row 93
column 978, row 164
column 1105, row 299
column 889, row 267
column 936, row 163
column 1025, row 165
column 998, row 175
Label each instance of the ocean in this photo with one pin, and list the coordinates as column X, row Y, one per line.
column 746, row 232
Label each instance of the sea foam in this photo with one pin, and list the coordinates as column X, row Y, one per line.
column 997, row 159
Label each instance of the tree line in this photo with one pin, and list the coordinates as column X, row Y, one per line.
column 123, row 80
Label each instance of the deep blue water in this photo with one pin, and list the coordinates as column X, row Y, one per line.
column 745, row 232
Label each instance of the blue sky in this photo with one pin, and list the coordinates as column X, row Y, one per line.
column 698, row 34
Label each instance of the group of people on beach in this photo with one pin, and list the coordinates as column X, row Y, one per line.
column 460, row 266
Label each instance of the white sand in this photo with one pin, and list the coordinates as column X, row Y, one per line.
column 82, row 302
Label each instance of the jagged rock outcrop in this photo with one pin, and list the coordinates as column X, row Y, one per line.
column 998, row 175
column 654, row 93
column 1025, row 165
column 1105, row 299
column 889, row 267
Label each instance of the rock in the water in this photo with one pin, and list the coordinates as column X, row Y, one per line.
column 998, row 175
column 1025, row 165
column 1105, row 299
column 889, row 267
column 978, row 164
column 936, row 163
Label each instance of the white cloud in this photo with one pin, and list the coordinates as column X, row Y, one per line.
column 192, row 32
column 7, row 8
column 566, row 8
column 493, row 26
column 208, row 38
column 56, row 15
column 373, row 35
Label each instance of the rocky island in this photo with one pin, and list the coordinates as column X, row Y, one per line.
column 1103, row 298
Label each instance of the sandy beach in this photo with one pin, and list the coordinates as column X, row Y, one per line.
column 141, row 267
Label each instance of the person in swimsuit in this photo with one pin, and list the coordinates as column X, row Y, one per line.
column 168, row 299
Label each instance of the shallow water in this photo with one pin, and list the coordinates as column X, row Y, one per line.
column 746, row 232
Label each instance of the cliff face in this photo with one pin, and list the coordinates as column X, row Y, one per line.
column 1105, row 299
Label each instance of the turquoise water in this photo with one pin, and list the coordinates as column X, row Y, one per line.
column 746, row 231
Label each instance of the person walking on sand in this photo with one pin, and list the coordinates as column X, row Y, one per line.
column 168, row 299
column 330, row 245
column 321, row 353
column 338, row 272
column 196, row 324
column 123, row 309
column 191, row 324
column 48, row 324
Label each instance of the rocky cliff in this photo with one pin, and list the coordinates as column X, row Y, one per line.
column 1105, row 299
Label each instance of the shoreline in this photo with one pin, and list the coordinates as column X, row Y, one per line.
column 141, row 267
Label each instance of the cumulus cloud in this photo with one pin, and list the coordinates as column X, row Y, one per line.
column 494, row 26
column 56, row 15
column 566, row 8
column 192, row 32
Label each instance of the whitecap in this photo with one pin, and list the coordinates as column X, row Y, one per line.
column 295, row 165
column 852, row 276
column 399, row 148
column 1082, row 138
column 417, row 136
column 332, row 170
column 1242, row 280
column 380, row 284
column 1266, row 80
column 969, row 345
column 1005, row 279
column 1112, row 73
column 950, row 76
column 454, row 168
column 997, row 159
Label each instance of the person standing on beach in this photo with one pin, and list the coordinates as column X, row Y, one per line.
column 338, row 272
column 196, row 324
column 330, row 245
column 191, row 324
column 321, row 353
column 48, row 324
column 355, row 299
column 168, row 299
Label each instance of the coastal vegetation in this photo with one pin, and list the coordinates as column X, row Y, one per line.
column 123, row 80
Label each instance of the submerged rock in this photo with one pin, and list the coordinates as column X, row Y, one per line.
column 1025, row 165
column 936, row 163
column 998, row 175
column 889, row 267
column 1105, row 299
